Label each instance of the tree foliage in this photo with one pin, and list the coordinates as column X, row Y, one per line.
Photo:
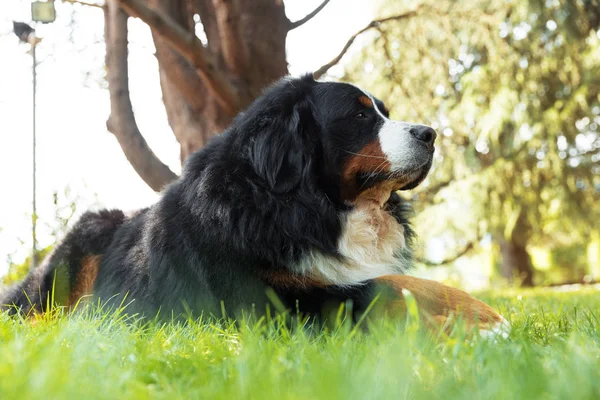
column 513, row 89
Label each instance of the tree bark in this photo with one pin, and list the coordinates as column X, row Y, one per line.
column 258, row 41
column 193, row 114
column 190, row 47
column 235, row 53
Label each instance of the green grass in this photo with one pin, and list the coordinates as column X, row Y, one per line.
column 552, row 352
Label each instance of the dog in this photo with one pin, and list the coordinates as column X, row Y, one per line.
column 296, row 199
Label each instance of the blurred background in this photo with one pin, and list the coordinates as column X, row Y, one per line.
column 512, row 87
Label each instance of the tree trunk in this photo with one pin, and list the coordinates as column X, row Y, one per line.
column 516, row 263
column 203, row 86
column 247, row 40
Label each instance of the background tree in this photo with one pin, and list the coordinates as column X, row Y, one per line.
column 512, row 88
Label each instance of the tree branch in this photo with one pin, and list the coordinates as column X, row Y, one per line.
column 300, row 22
column 190, row 47
column 121, row 121
column 429, row 192
column 373, row 24
column 235, row 53
column 180, row 72
column 448, row 260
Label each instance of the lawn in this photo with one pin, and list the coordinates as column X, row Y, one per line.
column 552, row 352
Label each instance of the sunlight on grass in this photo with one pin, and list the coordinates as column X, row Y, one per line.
column 552, row 352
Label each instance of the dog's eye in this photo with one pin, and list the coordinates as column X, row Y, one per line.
column 361, row 115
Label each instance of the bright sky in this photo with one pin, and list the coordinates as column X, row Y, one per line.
column 74, row 148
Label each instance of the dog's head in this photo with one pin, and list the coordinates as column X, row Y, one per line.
column 336, row 137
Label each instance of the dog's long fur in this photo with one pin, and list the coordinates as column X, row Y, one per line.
column 297, row 195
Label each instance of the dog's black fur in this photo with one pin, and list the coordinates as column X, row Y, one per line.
column 245, row 210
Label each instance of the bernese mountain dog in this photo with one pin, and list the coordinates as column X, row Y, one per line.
column 297, row 199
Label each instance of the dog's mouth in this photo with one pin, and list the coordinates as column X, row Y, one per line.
column 380, row 188
column 397, row 180
column 406, row 180
column 414, row 178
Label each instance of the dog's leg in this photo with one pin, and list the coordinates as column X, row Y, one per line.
column 439, row 304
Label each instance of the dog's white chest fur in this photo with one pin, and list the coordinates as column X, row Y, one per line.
column 370, row 245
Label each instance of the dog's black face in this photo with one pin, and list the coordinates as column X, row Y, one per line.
column 334, row 136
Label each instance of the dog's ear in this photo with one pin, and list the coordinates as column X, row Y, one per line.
column 283, row 146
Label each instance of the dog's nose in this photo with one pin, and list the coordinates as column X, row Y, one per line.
column 424, row 133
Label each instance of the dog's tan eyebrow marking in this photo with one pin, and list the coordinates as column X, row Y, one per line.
column 366, row 101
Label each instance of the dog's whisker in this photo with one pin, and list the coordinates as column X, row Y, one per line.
column 374, row 174
column 365, row 155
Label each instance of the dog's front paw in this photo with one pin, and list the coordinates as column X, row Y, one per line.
column 441, row 306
